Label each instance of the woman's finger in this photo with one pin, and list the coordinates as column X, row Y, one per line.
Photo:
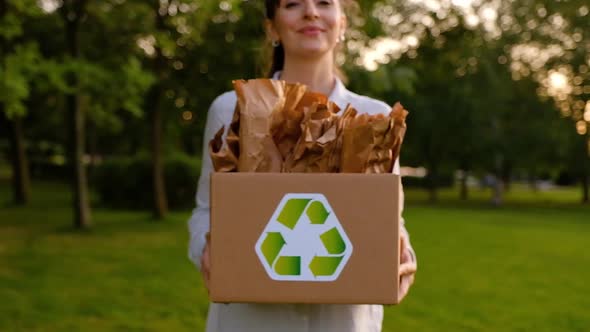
column 402, row 247
column 205, row 272
column 405, row 283
column 406, row 257
column 407, row 268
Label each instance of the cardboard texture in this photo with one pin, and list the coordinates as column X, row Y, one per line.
column 366, row 206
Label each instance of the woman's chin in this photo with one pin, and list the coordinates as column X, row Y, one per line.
column 312, row 51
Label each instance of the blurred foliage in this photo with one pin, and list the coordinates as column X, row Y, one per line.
column 125, row 182
column 476, row 76
column 20, row 59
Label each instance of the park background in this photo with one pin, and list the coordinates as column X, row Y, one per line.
column 102, row 108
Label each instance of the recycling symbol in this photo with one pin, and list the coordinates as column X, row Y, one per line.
column 303, row 241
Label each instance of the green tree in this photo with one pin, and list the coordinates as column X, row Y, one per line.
column 20, row 64
column 72, row 13
column 96, row 78
column 474, row 107
column 551, row 43
column 172, row 39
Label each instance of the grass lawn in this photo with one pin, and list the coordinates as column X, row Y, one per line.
column 522, row 267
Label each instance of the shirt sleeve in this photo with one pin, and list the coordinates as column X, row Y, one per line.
column 198, row 223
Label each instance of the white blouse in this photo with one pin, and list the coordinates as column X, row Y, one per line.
column 278, row 317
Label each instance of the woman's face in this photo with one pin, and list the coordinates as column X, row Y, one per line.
column 307, row 28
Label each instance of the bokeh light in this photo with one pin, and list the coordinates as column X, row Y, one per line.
column 187, row 116
column 581, row 127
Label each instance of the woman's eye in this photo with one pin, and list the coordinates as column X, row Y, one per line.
column 324, row 3
column 291, row 4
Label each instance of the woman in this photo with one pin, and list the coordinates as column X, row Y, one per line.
column 304, row 34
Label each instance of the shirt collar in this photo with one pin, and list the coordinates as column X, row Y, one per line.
column 338, row 94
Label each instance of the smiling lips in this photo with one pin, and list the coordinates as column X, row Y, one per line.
column 311, row 31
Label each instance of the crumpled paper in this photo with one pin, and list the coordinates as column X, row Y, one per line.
column 319, row 134
column 225, row 157
column 371, row 144
column 283, row 127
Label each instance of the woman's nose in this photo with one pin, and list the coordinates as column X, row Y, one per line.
column 311, row 11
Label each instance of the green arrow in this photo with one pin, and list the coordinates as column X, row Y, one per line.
column 292, row 211
column 324, row 265
column 288, row 266
column 333, row 241
column 317, row 213
column 271, row 246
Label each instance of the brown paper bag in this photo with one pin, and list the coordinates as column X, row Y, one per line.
column 357, row 144
column 287, row 123
column 259, row 101
column 343, row 122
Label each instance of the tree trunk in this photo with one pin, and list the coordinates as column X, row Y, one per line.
column 160, row 207
column 21, row 181
column 76, row 158
column 585, row 167
column 506, row 175
column 160, row 200
column 464, row 193
column 433, row 183
column 72, row 15
column 585, row 185
column 464, row 190
column 497, row 198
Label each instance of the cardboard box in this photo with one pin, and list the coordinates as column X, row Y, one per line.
column 304, row 238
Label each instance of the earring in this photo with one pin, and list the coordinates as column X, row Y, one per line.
column 341, row 39
column 275, row 43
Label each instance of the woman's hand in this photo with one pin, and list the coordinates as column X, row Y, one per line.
column 205, row 264
column 407, row 269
